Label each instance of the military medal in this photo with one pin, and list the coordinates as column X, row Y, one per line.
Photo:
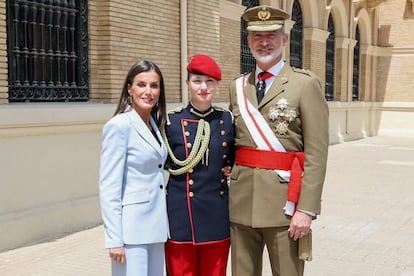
column 274, row 113
column 282, row 114
column 282, row 104
column 291, row 115
column 282, row 128
column 260, row 84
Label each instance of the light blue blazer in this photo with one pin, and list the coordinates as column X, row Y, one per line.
column 131, row 185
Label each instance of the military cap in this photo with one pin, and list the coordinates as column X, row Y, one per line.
column 264, row 18
column 204, row 65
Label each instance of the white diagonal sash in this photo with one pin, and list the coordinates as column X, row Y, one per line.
column 263, row 135
column 260, row 131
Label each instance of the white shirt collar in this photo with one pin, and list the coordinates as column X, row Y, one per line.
column 275, row 69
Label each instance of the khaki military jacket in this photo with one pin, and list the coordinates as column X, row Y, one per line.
column 257, row 196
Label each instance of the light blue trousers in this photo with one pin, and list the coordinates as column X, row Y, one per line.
column 141, row 260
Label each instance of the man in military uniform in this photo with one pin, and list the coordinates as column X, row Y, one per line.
column 281, row 124
column 200, row 143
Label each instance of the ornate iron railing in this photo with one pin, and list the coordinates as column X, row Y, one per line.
column 247, row 62
column 330, row 61
column 355, row 73
column 296, row 36
column 47, row 50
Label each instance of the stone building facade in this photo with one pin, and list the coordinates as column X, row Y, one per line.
column 50, row 149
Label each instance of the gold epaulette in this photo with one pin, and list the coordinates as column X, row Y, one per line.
column 219, row 108
column 303, row 71
column 173, row 111
column 176, row 110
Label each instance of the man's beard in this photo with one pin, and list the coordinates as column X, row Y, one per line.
column 267, row 58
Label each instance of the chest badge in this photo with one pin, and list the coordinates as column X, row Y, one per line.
column 283, row 115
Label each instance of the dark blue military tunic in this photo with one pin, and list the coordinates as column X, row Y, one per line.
column 197, row 200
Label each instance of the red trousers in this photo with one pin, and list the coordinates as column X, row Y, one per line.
column 188, row 259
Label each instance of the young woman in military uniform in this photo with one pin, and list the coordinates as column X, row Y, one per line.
column 200, row 141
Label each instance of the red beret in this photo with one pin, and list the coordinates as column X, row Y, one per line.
column 204, row 65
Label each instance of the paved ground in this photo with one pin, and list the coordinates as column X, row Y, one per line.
column 366, row 227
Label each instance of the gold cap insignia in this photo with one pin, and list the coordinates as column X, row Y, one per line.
column 263, row 14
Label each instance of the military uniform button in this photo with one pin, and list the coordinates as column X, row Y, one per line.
column 190, row 194
column 222, row 180
column 191, row 182
column 224, row 144
column 221, row 122
column 168, row 123
column 185, row 123
column 224, row 156
column 190, row 170
column 223, row 132
column 187, row 133
column 222, row 169
column 189, row 145
column 221, row 193
column 161, row 187
column 160, row 166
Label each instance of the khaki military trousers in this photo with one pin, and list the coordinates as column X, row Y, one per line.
column 247, row 245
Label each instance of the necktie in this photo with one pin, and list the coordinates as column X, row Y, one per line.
column 261, row 84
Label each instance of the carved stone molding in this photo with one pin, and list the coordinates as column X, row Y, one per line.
column 370, row 3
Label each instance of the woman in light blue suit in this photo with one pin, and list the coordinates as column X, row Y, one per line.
column 132, row 191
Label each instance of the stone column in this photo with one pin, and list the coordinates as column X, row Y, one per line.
column 342, row 69
column 314, row 51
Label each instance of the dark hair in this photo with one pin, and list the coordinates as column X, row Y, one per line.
column 189, row 73
column 159, row 111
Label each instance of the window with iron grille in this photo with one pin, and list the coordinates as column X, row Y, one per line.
column 47, row 47
column 330, row 61
column 296, row 36
column 247, row 61
column 355, row 78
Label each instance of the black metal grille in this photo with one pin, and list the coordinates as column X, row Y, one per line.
column 247, row 61
column 355, row 77
column 296, row 36
column 47, row 50
column 330, row 61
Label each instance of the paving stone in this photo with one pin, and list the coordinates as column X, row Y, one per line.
column 366, row 225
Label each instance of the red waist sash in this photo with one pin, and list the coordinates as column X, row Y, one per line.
column 275, row 160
